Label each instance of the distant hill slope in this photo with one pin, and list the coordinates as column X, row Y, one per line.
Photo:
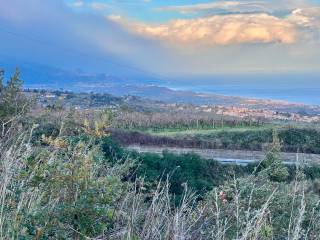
column 143, row 85
column 35, row 74
column 38, row 76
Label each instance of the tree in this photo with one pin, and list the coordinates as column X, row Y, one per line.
column 273, row 161
column 1, row 81
column 13, row 103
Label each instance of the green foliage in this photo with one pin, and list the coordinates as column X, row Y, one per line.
column 273, row 161
column 78, row 192
column 266, row 232
column 293, row 138
column 12, row 101
column 1, row 81
column 45, row 129
column 13, row 104
column 112, row 150
column 301, row 139
column 199, row 174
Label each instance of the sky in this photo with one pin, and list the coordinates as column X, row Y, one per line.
column 169, row 38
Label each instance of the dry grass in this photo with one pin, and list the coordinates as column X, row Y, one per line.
column 138, row 214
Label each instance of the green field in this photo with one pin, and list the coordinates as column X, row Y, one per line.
column 203, row 132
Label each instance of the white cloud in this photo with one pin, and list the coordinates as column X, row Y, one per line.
column 306, row 17
column 299, row 25
column 99, row 6
column 220, row 30
column 77, row 4
column 307, row 20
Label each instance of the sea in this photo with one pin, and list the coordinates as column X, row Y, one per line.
column 296, row 88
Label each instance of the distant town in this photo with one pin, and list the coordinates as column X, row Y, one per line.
column 255, row 110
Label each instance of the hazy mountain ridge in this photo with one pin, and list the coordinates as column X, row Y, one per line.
column 38, row 76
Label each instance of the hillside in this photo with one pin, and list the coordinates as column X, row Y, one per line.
column 139, row 84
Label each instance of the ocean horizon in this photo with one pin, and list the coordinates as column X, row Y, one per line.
column 295, row 88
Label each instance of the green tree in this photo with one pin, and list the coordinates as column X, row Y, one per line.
column 1, row 81
column 13, row 103
column 273, row 161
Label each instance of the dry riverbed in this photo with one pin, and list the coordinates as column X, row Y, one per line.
column 233, row 156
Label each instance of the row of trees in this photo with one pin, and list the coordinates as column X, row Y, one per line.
column 161, row 121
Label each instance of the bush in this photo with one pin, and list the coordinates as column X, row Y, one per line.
column 60, row 191
column 190, row 169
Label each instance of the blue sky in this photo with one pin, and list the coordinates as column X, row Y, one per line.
column 143, row 10
column 171, row 38
column 152, row 10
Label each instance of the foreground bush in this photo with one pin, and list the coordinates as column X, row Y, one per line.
column 61, row 191
column 66, row 188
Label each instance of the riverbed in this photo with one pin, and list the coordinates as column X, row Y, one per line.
column 240, row 157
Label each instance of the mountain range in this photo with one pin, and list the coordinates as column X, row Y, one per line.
column 135, row 83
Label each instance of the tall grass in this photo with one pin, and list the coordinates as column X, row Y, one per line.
column 70, row 192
